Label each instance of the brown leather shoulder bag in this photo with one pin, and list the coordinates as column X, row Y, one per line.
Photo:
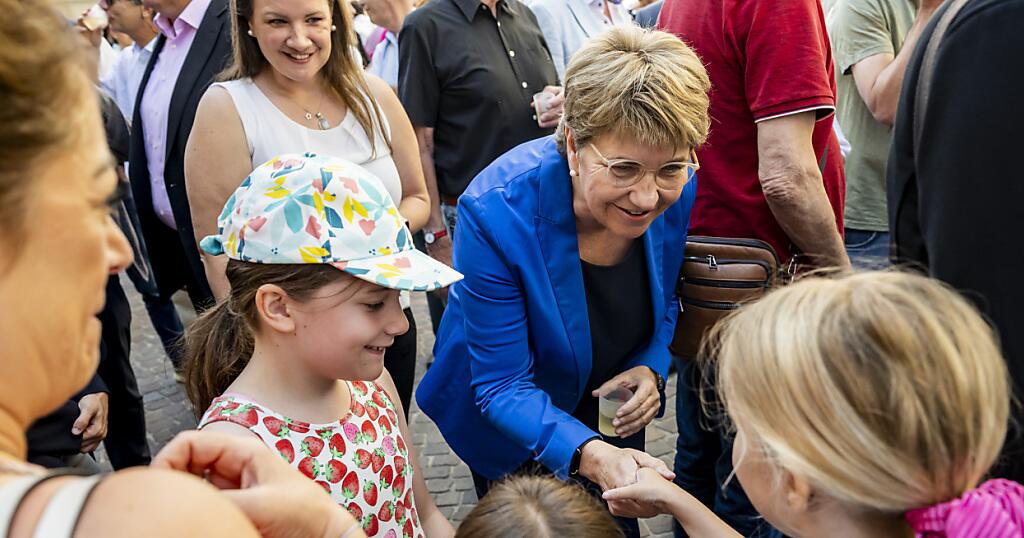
column 717, row 276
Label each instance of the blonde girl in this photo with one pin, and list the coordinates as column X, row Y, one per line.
column 868, row 405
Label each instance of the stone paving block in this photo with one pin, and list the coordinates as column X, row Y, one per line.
column 448, row 498
column 463, row 484
column 438, row 485
column 435, row 471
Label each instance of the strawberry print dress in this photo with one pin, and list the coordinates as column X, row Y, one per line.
column 360, row 460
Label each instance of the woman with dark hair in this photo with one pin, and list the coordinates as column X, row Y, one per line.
column 294, row 86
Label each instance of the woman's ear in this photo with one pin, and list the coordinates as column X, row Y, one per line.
column 571, row 151
column 272, row 304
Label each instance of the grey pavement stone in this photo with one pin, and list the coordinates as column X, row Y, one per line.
column 168, row 412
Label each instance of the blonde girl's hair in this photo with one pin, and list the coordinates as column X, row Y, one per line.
column 886, row 390
column 539, row 507
column 342, row 74
column 644, row 85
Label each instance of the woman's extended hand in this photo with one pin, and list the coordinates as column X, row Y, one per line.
column 611, row 467
column 279, row 501
column 640, row 410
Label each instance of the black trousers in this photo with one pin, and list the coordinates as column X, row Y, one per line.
column 400, row 360
column 126, row 429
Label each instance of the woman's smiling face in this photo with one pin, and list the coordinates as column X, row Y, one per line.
column 599, row 199
column 294, row 35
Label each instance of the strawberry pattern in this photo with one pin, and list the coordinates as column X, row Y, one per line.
column 361, row 460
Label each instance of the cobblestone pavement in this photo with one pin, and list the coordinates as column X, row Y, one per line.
column 448, row 479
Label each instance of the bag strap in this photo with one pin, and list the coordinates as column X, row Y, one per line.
column 924, row 78
column 65, row 507
column 11, row 496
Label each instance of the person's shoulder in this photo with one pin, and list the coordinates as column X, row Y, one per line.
column 426, row 14
column 512, row 175
column 218, row 100
column 155, row 502
column 979, row 16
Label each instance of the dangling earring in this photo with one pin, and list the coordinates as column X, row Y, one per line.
column 334, row 28
column 250, row 33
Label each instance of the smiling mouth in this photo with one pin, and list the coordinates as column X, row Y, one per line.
column 377, row 349
column 298, row 57
column 633, row 213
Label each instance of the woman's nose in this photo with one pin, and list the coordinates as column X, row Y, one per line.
column 299, row 39
column 644, row 195
column 119, row 252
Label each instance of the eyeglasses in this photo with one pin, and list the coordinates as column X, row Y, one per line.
column 626, row 173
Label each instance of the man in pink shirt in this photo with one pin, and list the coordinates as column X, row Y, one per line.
column 193, row 46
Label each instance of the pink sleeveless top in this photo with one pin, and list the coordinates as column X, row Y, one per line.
column 360, row 460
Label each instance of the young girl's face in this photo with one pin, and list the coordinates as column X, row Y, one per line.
column 762, row 484
column 343, row 331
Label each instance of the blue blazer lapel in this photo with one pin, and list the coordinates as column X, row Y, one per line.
column 556, row 232
column 655, row 253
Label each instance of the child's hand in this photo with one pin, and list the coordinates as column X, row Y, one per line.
column 649, row 496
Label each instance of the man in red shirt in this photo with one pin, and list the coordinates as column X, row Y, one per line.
column 771, row 170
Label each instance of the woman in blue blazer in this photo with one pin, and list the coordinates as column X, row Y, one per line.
column 571, row 246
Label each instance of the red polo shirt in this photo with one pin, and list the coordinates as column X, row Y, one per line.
column 766, row 58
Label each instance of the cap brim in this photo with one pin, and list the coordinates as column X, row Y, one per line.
column 409, row 270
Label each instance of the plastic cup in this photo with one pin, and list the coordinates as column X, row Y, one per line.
column 607, row 405
column 95, row 18
column 542, row 102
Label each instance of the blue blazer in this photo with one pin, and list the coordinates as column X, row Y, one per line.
column 513, row 353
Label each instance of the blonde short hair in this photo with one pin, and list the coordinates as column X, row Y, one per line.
column 886, row 390
column 641, row 84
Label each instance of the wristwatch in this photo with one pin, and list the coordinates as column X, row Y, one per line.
column 658, row 380
column 577, row 455
column 431, row 237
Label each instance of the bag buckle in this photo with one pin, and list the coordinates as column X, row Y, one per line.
column 712, row 262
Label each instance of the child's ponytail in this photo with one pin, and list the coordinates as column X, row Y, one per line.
column 220, row 343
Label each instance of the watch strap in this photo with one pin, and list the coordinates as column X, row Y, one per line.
column 577, row 456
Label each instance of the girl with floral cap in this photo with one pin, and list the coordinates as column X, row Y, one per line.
column 295, row 354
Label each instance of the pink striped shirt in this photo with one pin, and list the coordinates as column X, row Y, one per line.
column 156, row 99
column 993, row 510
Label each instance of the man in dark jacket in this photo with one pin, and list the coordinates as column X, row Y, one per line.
column 193, row 46
column 954, row 195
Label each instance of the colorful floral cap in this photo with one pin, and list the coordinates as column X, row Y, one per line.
column 317, row 209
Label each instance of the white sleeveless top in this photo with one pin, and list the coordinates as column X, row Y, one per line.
column 269, row 133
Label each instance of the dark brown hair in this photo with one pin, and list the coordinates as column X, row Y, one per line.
column 44, row 92
column 341, row 72
column 220, row 343
column 539, row 507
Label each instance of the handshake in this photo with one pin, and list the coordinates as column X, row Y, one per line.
column 633, row 482
column 636, row 484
